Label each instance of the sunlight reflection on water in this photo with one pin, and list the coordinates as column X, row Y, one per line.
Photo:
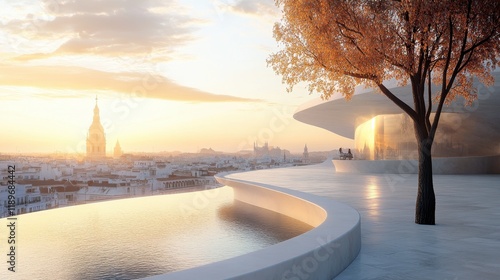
column 139, row 237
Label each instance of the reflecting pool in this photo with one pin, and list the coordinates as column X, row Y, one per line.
column 139, row 237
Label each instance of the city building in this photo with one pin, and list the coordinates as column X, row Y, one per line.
column 51, row 181
column 28, row 198
column 467, row 139
column 96, row 138
column 305, row 155
column 269, row 153
column 118, row 152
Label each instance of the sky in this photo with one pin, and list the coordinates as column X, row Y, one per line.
column 169, row 75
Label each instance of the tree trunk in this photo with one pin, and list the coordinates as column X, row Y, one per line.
column 426, row 200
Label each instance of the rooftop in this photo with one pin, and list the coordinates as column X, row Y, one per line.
column 464, row 243
column 342, row 117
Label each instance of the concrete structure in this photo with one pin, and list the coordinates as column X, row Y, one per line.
column 321, row 253
column 179, row 182
column 96, row 138
column 464, row 243
column 466, row 136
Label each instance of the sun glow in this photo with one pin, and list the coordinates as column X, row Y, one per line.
column 161, row 87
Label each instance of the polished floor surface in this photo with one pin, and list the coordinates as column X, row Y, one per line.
column 464, row 243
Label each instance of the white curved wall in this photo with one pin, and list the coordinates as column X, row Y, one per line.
column 321, row 253
column 448, row 165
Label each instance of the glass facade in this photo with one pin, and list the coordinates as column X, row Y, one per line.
column 388, row 137
column 385, row 137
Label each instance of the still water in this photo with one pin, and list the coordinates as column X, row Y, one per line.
column 139, row 237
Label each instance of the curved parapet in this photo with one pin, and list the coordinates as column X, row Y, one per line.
column 321, row 253
column 448, row 165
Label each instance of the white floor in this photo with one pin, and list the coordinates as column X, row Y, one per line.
column 465, row 243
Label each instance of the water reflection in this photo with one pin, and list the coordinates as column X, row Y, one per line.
column 372, row 195
column 278, row 227
column 134, row 238
column 372, row 191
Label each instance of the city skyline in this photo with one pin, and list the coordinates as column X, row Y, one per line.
column 186, row 75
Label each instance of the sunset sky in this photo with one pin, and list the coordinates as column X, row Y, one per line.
column 169, row 75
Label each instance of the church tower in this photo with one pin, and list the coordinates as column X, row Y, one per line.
column 305, row 155
column 96, row 139
column 118, row 152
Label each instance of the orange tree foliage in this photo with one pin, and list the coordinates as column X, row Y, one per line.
column 338, row 44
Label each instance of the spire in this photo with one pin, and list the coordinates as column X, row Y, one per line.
column 118, row 152
column 96, row 108
column 96, row 111
column 305, row 155
column 96, row 122
column 96, row 138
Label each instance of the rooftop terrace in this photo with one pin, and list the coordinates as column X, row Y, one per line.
column 464, row 243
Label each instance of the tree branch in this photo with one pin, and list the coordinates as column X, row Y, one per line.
column 348, row 29
column 429, row 108
column 447, row 87
column 407, row 109
column 370, row 77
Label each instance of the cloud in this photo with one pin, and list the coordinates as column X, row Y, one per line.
column 259, row 8
column 256, row 7
column 77, row 78
column 108, row 27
